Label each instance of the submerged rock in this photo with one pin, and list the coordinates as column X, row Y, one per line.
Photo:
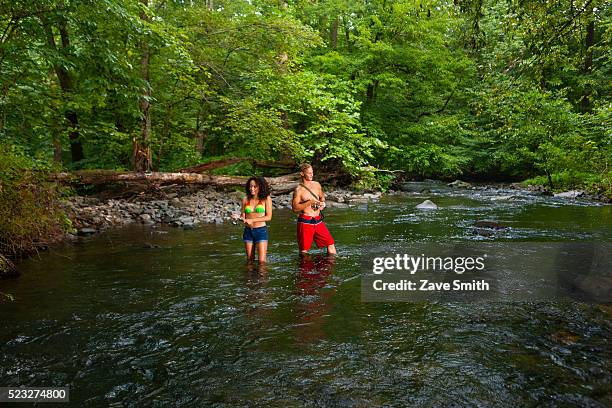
column 427, row 205
column 487, row 228
column 489, row 224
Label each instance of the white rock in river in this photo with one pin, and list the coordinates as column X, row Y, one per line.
column 570, row 194
column 427, row 205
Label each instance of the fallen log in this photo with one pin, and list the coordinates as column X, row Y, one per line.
column 108, row 176
column 279, row 185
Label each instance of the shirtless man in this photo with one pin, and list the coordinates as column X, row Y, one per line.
column 308, row 201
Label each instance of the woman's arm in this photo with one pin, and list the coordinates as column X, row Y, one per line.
column 242, row 213
column 266, row 217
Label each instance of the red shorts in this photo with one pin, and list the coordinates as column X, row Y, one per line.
column 309, row 228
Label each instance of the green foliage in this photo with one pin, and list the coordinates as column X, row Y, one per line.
column 29, row 212
column 372, row 179
column 433, row 88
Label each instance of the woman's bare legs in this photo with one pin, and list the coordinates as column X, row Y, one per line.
column 250, row 253
column 262, row 249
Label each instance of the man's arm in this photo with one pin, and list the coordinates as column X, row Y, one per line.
column 322, row 204
column 321, row 193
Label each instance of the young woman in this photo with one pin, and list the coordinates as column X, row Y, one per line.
column 256, row 210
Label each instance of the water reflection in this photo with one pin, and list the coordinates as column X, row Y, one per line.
column 258, row 297
column 314, row 294
column 256, row 274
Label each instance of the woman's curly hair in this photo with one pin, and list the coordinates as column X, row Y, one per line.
column 264, row 188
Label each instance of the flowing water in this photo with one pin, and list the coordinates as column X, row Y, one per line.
column 156, row 316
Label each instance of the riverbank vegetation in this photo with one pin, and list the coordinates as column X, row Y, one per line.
column 475, row 89
column 30, row 215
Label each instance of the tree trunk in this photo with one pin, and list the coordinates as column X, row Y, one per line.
column 347, row 34
column 585, row 103
column 141, row 150
column 371, row 91
column 66, row 84
column 200, row 134
column 57, row 147
column 333, row 35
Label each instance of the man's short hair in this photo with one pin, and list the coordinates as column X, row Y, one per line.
column 304, row 167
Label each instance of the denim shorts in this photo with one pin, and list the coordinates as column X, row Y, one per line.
column 255, row 235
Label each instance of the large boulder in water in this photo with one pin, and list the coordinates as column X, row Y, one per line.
column 7, row 268
column 427, row 205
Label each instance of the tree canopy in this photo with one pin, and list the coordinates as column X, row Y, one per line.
column 482, row 89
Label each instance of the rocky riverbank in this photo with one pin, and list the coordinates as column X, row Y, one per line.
column 184, row 209
column 187, row 207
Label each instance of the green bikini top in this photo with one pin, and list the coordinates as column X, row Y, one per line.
column 259, row 208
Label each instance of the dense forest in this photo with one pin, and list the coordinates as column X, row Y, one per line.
column 477, row 88
column 473, row 89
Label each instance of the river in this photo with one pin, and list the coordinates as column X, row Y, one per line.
column 159, row 316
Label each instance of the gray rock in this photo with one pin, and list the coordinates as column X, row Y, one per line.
column 186, row 220
column 571, row 194
column 427, row 205
column 236, row 196
column 168, row 219
column 459, row 184
column 87, row 231
column 145, row 217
